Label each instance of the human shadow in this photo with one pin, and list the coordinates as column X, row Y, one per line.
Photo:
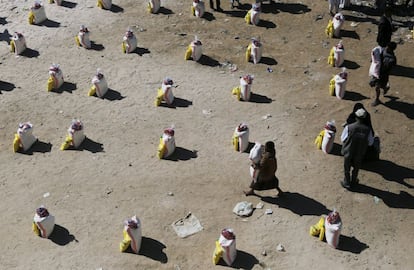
column 66, row 86
column 113, row 95
column 68, row 4
column 91, row 146
column 390, row 171
column 393, row 200
column 96, row 46
column 402, row 71
column 165, row 11
column 6, row 86
column 116, row 9
column 267, row 24
column 257, row 98
column 5, row 36
column 268, row 61
column 354, row 96
column 30, row 53
column 61, row 236
column 349, row 34
column 235, row 13
column 50, row 23
column 292, row 8
column 358, row 19
column 351, row 244
column 3, row 20
column 367, row 10
column 141, row 51
column 243, row 260
column 182, row 154
column 178, row 103
column 336, row 149
column 38, row 147
column 208, row 16
column 298, row 204
column 153, row 249
column 350, row 64
column 400, row 106
column 208, row 61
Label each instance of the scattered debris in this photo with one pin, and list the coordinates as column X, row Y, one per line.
column 243, row 209
column 187, row 226
column 259, row 205
column 47, row 194
column 280, row 248
column 170, row 194
column 354, row 24
column 267, row 116
column 264, row 253
column 268, row 211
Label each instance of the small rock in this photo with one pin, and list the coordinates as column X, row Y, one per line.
column 267, row 116
column 170, row 194
column 47, row 194
column 236, row 37
column 264, row 253
column 280, row 248
column 318, row 17
column 268, row 211
column 259, row 205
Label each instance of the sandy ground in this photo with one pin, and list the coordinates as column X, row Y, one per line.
column 116, row 174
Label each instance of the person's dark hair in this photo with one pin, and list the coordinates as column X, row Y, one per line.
column 358, row 106
column 388, row 12
column 391, row 46
column 270, row 147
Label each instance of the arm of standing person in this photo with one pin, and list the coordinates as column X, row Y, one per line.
column 344, row 134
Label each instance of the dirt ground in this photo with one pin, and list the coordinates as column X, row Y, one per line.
column 116, row 173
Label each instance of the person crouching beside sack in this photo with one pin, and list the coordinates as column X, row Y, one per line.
column 37, row 13
column 254, row 51
column 100, row 86
column 132, row 235
column 17, row 43
column 267, row 168
column 55, row 80
column 43, row 222
column 244, row 91
column 82, row 39
column 194, row 50
column 104, row 4
column 165, row 93
column 129, row 43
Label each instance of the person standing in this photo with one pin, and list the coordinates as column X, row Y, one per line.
column 388, row 61
column 218, row 8
column 385, row 28
column 267, row 168
column 355, row 140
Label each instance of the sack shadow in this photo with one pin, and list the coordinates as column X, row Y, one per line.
column 256, row 98
column 243, row 260
column 50, row 23
column 350, row 64
column 402, row 200
column 390, row 171
column 354, row 96
column 351, row 244
column 349, row 34
column 116, row 9
column 5, row 36
column 400, row 106
column 6, row 86
column 153, row 249
column 96, row 46
column 208, row 16
column 38, row 147
column 208, row 61
column 66, row 86
column 402, row 71
column 182, row 154
column 68, row 4
column 165, row 11
column 266, row 24
column 91, row 146
column 268, row 61
column 113, row 95
column 298, row 204
column 141, row 51
column 61, row 236
column 30, row 53
column 178, row 103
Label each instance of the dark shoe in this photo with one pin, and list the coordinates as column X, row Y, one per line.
column 346, row 185
column 219, row 9
column 386, row 89
column 376, row 102
column 248, row 193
